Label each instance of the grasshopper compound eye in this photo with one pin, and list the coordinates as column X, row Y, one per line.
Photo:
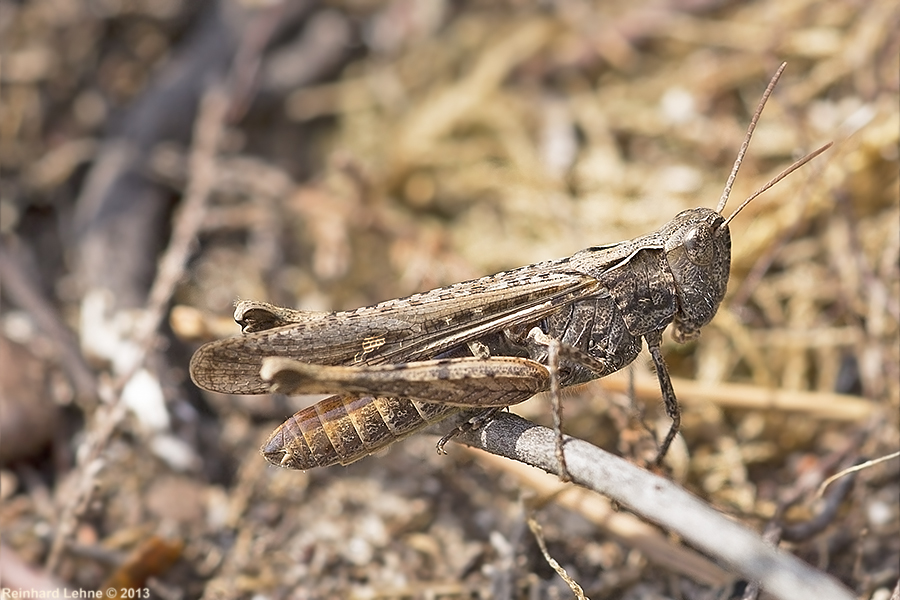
column 697, row 245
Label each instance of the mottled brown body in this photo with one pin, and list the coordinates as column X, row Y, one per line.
column 403, row 364
column 599, row 304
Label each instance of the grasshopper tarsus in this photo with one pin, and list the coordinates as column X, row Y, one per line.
column 401, row 365
column 475, row 422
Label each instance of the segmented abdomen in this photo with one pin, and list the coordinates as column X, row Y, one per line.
column 344, row 428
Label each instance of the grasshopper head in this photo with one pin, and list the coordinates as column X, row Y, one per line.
column 698, row 250
column 698, row 243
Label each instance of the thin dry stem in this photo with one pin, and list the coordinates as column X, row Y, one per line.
column 843, row 473
column 207, row 133
column 554, row 564
column 821, row 405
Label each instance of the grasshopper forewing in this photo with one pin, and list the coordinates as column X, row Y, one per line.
column 401, row 365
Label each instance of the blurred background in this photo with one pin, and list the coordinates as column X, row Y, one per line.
column 330, row 155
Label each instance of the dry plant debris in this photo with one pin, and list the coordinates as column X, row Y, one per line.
column 376, row 149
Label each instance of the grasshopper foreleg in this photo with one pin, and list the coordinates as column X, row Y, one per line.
column 668, row 394
column 557, row 351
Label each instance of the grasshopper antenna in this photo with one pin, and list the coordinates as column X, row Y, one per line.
column 776, row 179
column 740, row 157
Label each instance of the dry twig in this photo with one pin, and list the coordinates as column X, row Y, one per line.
column 659, row 501
column 207, row 132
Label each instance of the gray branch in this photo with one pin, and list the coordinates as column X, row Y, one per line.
column 662, row 502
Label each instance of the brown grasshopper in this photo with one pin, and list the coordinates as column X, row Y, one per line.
column 404, row 364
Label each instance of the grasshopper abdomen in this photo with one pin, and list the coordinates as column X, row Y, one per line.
column 344, row 428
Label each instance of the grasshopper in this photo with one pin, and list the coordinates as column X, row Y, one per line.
column 485, row 344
